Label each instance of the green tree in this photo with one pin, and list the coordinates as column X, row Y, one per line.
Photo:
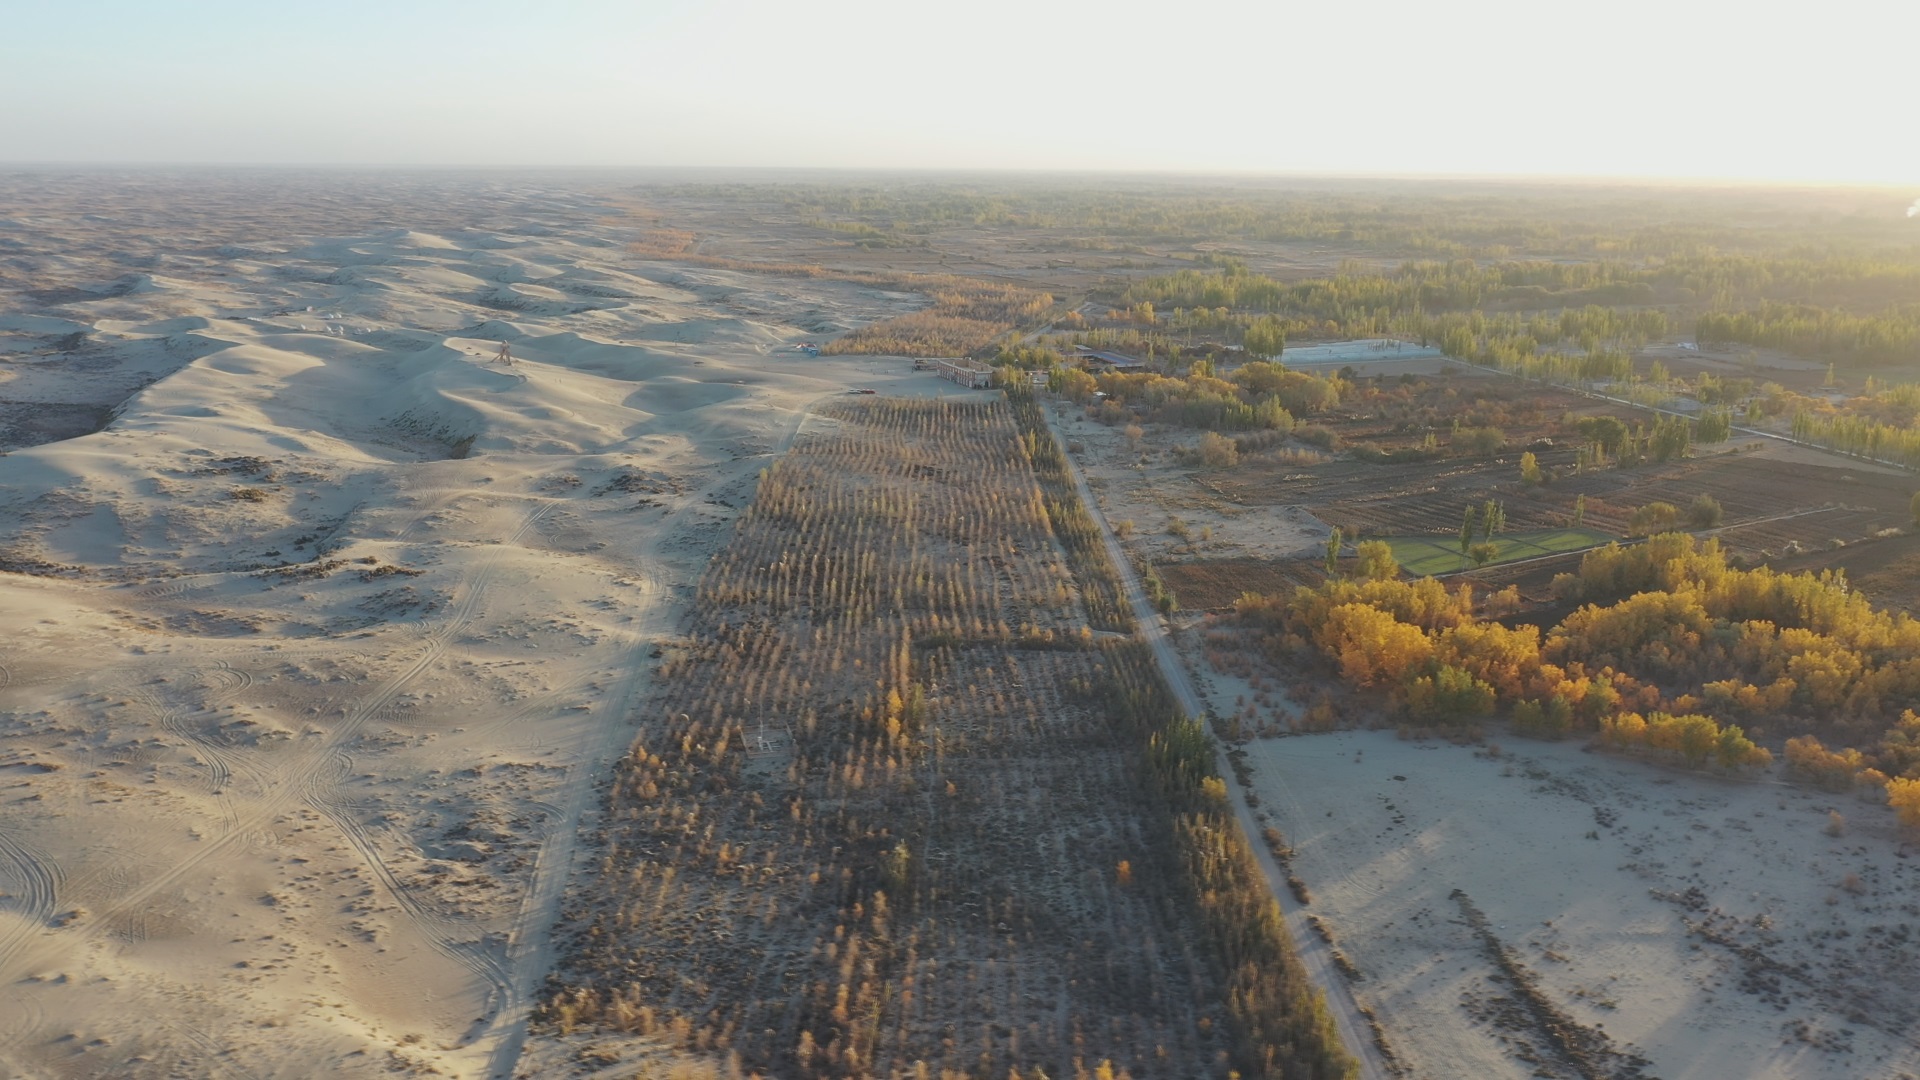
column 1376, row 561
column 1608, row 432
column 1580, row 510
column 1530, row 468
column 1704, row 512
column 1333, row 552
column 1734, row 749
column 1716, row 425
column 1265, row 338
column 1670, row 439
column 1467, row 528
column 1450, row 695
column 1482, row 554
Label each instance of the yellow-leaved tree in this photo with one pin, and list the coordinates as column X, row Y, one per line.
column 1904, row 796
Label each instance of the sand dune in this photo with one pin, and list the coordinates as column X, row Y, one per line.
column 320, row 623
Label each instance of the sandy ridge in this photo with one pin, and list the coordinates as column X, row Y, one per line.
column 268, row 824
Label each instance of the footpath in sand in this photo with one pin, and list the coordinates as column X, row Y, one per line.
column 311, row 659
column 1552, row 912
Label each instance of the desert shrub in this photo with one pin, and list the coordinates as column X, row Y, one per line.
column 1479, row 441
column 1217, row 452
column 966, row 316
column 1374, row 454
column 1313, row 435
column 1654, row 517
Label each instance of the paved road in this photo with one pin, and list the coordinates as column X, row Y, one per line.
column 1313, row 952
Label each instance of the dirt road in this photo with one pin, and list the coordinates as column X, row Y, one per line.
column 1313, row 952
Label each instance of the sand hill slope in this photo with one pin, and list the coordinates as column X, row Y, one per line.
column 320, row 625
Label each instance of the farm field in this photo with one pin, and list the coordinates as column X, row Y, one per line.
column 1424, row 556
column 1260, row 524
column 895, row 807
column 1769, row 496
column 1887, row 571
column 1216, row 583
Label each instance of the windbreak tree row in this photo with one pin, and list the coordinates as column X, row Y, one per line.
column 1106, row 598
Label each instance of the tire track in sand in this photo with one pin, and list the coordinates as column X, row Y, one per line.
column 319, row 788
column 222, row 760
column 219, row 760
column 441, row 929
column 278, row 798
column 37, row 879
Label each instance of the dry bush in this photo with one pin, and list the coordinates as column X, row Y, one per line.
column 923, row 333
column 966, row 316
column 661, row 243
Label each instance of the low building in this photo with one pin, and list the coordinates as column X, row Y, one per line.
column 971, row 374
column 1101, row 360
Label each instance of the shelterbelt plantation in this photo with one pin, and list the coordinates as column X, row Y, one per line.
column 740, row 625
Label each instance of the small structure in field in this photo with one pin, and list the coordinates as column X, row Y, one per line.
column 768, row 749
column 1102, row 360
column 971, row 374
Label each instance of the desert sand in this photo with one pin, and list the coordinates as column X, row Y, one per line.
column 1688, row 926
column 311, row 656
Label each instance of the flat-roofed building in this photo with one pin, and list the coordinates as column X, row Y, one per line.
column 968, row 373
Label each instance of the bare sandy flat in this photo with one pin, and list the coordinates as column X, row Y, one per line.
column 1682, row 925
column 1145, row 490
column 311, row 654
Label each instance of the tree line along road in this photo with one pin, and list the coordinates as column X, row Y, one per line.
column 1313, row 952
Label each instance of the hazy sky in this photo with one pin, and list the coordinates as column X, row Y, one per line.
column 1685, row 88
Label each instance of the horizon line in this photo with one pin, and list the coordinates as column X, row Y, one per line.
column 936, row 171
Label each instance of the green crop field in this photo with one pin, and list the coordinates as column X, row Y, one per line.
column 1425, row 555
